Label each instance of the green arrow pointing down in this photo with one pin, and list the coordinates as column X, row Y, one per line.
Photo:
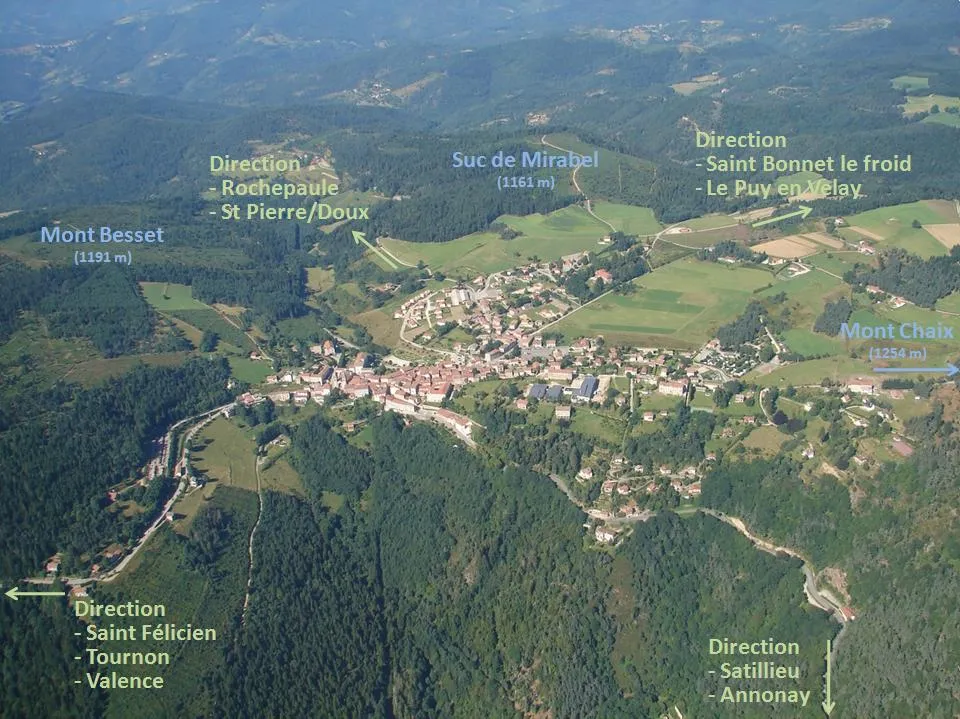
column 359, row 237
column 828, row 705
column 803, row 212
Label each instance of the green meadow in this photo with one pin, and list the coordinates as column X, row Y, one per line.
column 166, row 296
column 924, row 103
column 895, row 225
column 678, row 305
column 708, row 222
column 225, row 453
column 177, row 302
column 809, row 343
column 910, row 82
column 950, row 303
column 944, row 118
column 627, row 218
column 837, row 261
column 811, row 372
column 548, row 237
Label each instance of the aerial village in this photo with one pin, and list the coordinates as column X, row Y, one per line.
column 507, row 316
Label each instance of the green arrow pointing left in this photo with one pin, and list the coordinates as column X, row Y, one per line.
column 359, row 237
column 15, row 594
column 803, row 212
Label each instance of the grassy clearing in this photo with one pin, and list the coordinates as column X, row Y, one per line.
column 894, row 225
column 208, row 319
column 248, row 370
column 946, row 209
column 281, row 477
column 811, row 344
column 810, row 291
column 692, row 86
column 381, row 325
column 548, row 237
column 332, row 501
column 192, row 316
column 944, row 118
column 224, row 454
column 767, row 440
column 708, row 222
column 589, row 422
column 887, row 221
column 837, row 262
column 166, row 296
column 97, row 370
column 924, row 103
column 919, row 242
column 304, row 328
column 950, row 303
column 811, row 372
column 678, row 305
column 910, row 82
column 568, row 223
column 628, row 219
column 629, row 647
column 319, row 279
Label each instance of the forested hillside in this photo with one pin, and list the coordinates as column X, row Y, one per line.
column 101, row 436
column 444, row 587
column 899, row 547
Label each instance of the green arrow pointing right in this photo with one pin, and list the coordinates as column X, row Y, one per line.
column 803, row 212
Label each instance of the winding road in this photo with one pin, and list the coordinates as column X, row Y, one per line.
column 113, row 573
column 820, row 598
column 576, row 185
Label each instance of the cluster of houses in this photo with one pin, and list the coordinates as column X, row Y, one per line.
column 412, row 390
column 503, row 307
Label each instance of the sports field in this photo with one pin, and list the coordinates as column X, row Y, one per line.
column 679, row 305
column 548, row 237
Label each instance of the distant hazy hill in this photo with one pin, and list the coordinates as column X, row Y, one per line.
column 251, row 51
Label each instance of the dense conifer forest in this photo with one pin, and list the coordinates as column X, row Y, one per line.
column 445, row 587
column 101, row 435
